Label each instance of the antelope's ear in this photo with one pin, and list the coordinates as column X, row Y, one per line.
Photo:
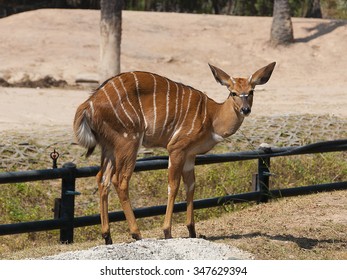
column 261, row 76
column 220, row 76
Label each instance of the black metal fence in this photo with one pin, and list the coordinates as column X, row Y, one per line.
column 65, row 220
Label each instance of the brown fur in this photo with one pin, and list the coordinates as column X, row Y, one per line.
column 143, row 108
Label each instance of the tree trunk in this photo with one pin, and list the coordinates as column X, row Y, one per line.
column 216, row 8
column 282, row 28
column 313, row 9
column 110, row 38
column 231, row 6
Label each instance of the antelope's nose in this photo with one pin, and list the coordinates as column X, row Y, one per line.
column 245, row 111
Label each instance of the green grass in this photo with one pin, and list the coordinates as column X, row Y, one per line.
column 34, row 201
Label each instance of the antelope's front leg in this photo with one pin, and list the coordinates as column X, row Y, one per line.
column 188, row 176
column 175, row 171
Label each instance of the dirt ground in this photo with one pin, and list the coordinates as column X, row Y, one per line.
column 309, row 78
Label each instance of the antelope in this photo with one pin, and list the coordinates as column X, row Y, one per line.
column 141, row 108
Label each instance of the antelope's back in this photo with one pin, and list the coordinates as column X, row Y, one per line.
column 149, row 106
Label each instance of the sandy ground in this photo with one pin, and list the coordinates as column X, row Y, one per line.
column 310, row 76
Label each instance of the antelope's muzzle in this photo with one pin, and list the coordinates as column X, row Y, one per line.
column 245, row 108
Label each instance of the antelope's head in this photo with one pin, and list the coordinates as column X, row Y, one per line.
column 241, row 89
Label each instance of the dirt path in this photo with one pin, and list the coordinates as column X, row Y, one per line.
column 309, row 77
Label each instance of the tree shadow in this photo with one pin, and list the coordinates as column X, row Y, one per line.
column 302, row 242
column 321, row 29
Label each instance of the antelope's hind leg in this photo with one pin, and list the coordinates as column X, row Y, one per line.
column 125, row 156
column 104, row 181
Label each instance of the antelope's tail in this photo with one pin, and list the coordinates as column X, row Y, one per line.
column 83, row 128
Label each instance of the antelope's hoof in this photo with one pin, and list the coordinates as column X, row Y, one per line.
column 136, row 236
column 191, row 229
column 167, row 234
column 108, row 239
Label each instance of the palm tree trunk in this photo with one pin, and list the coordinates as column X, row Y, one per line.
column 313, row 9
column 110, row 40
column 282, row 28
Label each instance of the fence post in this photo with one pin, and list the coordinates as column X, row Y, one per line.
column 67, row 204
column 263, row 179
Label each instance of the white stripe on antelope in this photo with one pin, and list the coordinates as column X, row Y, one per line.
column 141, row 108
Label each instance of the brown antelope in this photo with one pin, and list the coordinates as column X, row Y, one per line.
column 141, row 108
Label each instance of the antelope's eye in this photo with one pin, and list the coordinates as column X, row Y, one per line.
column 233, row 93
column 251, row 92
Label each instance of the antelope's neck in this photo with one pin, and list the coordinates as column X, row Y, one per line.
column 226, row 120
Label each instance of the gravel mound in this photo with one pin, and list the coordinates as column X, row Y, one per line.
column 153, row 249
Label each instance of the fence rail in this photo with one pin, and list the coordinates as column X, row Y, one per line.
column 64, row 207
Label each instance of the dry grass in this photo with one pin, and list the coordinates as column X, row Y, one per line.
column 307, row 227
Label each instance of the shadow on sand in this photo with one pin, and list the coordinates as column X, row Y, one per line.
column 321, row 29
column 302, row 242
